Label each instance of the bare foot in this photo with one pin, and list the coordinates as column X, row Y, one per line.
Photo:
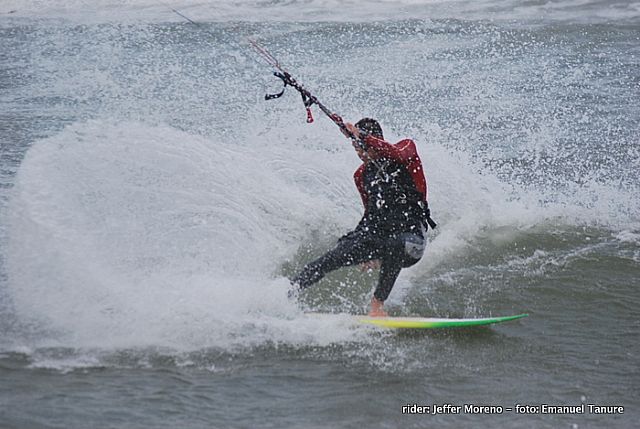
column 376, row 308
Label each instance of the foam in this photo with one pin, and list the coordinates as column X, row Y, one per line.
column 146, row 234
column 130, row 234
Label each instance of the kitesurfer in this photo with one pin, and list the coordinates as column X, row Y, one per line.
column 391, row 233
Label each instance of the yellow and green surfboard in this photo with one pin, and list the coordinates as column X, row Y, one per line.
column 431, row 323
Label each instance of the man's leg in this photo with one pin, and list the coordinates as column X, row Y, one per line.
column 393, row 259
column 348, row 251
column 389, row 271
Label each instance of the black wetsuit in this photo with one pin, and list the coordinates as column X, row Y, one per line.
column 391, row 230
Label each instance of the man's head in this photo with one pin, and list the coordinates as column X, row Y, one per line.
column 368, row 126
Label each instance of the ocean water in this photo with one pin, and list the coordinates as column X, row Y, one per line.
column 152, row 206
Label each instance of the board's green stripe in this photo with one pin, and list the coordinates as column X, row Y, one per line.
column 390, row 322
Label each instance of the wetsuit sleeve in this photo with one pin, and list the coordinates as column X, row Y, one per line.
column 383, row 149
column 358, row 178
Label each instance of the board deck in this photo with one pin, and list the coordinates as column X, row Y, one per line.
column 430, row 323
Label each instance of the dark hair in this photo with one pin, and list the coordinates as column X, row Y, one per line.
column 370, row 127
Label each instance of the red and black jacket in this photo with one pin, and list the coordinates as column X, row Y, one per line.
column 393, row 189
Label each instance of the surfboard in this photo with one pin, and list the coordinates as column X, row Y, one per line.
column 431, row 323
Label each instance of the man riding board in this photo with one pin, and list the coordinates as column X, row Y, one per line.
column 391, row 233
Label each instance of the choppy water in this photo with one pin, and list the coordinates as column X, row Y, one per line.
column 152, row 205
